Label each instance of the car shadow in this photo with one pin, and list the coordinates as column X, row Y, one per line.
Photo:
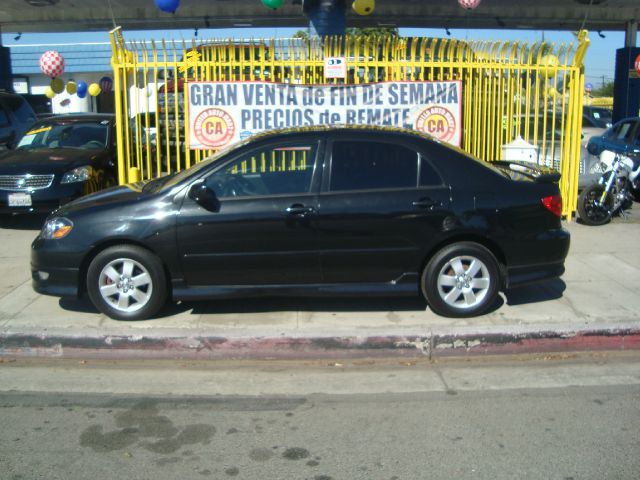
column 311, row 304
column 23, row 222
column 79, row 305
column 517, row 296
column 84, row 305
column 539, row 292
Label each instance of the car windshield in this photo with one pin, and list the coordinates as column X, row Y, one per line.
column 66, row 134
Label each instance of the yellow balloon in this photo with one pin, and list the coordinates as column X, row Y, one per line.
column 549, row 63
column 57, row 85
column 71, row 88
column 49, row 93
column 94, row 90
column 363, row 7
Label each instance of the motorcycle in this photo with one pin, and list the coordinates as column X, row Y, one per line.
column 614, row 192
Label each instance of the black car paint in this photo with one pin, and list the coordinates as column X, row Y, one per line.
column 57, row 162
column 379, row 244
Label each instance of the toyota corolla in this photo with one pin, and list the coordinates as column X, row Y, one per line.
column 315, row 211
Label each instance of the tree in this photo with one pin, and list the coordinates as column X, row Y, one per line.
column 374, row 31
column 301, row 34
column 605, row 90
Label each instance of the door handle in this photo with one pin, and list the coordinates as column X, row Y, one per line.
column 427, row 203
column 299, row 210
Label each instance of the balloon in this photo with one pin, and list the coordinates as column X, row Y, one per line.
column 82, row 89
column 550, row 61
column 49, row 93
column 469, row 4
column 106, row 84
column 363, row 7
column 94, row 89
column 57, row 85
column 168, row 6
column 272, row 3
column 71, row 87
column 52, row 64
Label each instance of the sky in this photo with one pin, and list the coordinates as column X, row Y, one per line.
column 599, row 61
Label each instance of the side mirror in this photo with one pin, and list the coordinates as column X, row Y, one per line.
column 204, row 196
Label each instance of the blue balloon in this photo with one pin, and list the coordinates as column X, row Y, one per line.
column 81, row 89
column 168, row 6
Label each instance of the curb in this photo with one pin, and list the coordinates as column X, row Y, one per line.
column 206, row 347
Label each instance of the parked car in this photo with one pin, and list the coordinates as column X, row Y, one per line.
column 59, row 159
column 623, row 137
column 549, row 140
column 16, row 116
column 312, row 211
column 596, row 117
column 595, row 121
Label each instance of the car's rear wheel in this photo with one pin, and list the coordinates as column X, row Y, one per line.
column 461, row 280
column 127, row 282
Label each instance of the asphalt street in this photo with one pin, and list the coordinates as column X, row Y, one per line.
column 541, row 417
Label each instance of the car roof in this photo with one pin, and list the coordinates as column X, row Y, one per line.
column 78, row 117
column 341, row 128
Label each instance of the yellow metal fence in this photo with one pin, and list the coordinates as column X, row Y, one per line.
column 510, row 89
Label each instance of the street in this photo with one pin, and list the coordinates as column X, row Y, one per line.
column 553, row 416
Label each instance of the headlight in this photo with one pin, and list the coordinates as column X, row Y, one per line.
column 56, row 228
column 80, row 174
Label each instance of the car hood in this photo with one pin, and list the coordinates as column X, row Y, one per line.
column 123, row 198
column 46, row 160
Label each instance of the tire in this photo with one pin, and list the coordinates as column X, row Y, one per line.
column 451, row 291
column 127, row 282
column 589, row 212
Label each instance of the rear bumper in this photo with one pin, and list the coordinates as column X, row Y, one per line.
column 517, row 277
column 553, row 246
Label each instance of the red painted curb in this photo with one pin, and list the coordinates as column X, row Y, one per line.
column 289, row 348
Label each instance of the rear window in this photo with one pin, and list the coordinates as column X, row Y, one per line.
column 359, row 165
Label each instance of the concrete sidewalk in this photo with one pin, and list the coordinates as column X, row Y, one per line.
column 595, row 306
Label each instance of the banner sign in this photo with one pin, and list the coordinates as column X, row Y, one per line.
column 221, row 113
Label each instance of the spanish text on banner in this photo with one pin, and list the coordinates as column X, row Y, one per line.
column 221, row 113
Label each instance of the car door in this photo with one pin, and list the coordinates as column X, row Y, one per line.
column 263, row 229
column 381, row 202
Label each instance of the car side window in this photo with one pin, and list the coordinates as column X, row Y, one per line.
column 428, row 175
column 364, row 165
column 621, row 131
column 272, row 170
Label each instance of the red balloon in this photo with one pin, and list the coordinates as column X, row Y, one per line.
column 469, row 4
column 52, row 64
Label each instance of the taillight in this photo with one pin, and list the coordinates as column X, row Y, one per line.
column 553, row 203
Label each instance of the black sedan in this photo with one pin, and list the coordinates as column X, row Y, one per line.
column 58, row 160
column 315, row 211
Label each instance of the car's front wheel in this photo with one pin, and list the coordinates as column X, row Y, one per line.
column 461, row 280
column 127, row 282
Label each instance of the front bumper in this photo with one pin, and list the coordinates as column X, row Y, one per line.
column 44, row 200
column 54, row 273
